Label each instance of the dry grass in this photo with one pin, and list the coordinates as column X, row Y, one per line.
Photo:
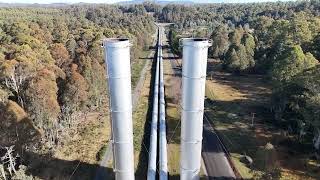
column 223, row 92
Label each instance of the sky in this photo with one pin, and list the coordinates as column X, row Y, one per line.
column 113, row 1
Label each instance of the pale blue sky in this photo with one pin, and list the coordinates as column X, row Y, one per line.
column 113, row 1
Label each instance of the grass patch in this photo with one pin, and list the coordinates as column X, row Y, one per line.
column 209, row 93
column 136, row 68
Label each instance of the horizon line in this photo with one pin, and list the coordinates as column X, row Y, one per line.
column 191, row 1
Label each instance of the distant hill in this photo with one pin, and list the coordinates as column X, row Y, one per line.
column 156, row 1
column 56, row 5
column 174, row 2
column 59, row 5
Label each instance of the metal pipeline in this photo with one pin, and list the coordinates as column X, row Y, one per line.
column 163, row 136
column 117, row 58
column 152, row 164
column 194, row 67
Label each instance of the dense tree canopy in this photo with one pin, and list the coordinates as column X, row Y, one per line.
column 297, row 102
column 51, row 60
column 291, row 62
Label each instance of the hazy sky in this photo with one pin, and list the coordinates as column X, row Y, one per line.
column 112, row 1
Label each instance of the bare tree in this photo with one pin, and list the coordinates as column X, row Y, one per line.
column 10, row 159
column 14, row 79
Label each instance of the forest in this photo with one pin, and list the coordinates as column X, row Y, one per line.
column 52, row 68
column 277, row 40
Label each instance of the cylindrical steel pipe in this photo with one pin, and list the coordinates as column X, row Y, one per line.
column 117, row 58
column 194, row 67
column 163, row 175
column 152, row 164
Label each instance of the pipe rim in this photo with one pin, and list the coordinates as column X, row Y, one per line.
column 116, row 42
column 195, row 42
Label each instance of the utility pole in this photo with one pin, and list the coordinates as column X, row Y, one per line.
column 252, row 119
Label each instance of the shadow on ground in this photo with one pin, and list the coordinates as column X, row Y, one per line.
column 170, row 58
column 50, row 168
column 141, row 171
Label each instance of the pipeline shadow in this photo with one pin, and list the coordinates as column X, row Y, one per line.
column 142, row 167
